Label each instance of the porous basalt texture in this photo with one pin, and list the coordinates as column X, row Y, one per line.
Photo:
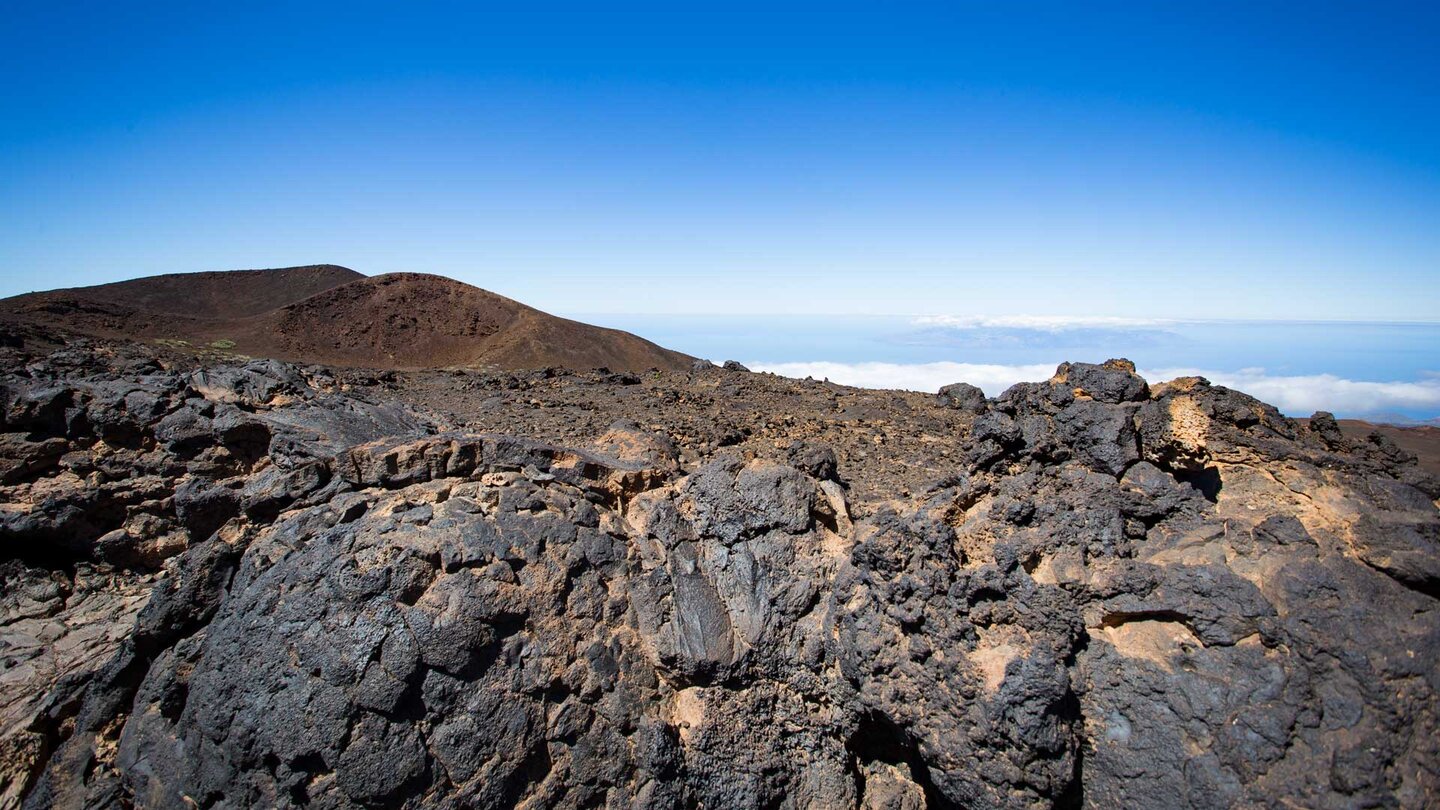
column 265, row 585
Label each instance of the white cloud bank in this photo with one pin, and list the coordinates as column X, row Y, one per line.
column 1295, row 395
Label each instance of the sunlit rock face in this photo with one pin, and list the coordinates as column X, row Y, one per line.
column 269, row 585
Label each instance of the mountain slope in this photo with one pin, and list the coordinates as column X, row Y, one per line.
column 329, row 314
column 414, row 320
column 221, row 295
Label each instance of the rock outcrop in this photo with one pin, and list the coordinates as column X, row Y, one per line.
column 266, row 585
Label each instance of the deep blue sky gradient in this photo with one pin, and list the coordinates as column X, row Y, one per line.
column 1238, row 160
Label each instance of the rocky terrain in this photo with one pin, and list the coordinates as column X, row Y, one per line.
column 233, row 583
column 330, row 314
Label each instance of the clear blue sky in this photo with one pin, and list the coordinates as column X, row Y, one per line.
column 1265, row 160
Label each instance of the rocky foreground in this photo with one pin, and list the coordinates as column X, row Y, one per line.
column 241, row 584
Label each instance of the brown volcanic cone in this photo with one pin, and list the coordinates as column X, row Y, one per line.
column 329, row 314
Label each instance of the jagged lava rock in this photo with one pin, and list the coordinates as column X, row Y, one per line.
column 963, row 396
column 270, row 585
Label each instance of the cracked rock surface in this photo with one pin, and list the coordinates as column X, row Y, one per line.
column 246, row 583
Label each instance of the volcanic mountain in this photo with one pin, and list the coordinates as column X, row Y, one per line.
column 330, row 314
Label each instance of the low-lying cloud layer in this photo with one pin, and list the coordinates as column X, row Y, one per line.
column 1294, row 395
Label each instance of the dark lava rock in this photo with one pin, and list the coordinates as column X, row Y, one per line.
column 1323, row 424
column 964, row 397
column 247, row 586
column 1112, row 381
column 817, row 461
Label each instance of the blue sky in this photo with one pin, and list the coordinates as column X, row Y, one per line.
column 1237, row 160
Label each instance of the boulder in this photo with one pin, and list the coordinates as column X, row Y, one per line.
column 963, row 397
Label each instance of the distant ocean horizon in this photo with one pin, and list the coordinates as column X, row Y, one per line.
column 1380, row 371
